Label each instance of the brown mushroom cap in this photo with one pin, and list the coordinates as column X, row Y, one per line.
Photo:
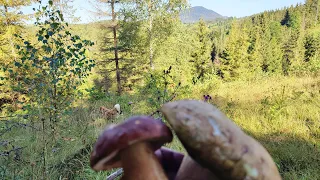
column 218, row 144
column 118, row 137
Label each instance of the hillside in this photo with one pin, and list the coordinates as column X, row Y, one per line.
column 195, row 13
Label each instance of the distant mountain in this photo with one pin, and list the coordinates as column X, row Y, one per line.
column 194, row 14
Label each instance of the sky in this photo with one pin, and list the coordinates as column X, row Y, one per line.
column 241, row 8
column 234, row 8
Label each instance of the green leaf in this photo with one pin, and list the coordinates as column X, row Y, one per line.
column 79, row 45
column 17, row 64
column 50, row 33
column 55, row 81
column 48, row 49
column 51, row 3
column 40, row 38
column 61, row 16
column 54, row 25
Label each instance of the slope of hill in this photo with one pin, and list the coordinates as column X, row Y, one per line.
column 194, row 14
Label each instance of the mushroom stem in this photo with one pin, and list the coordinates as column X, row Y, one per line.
column 139, row 163
column 191, row 170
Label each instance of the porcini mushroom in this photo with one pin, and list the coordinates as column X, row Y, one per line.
column 191, row 170
column 216, row 143
column 131, row 145
column 170, row 161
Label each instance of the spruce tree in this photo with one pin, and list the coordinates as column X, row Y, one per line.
column 201, row 56
column 11, row 19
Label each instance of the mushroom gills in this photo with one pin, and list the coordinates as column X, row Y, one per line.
column 102, row 163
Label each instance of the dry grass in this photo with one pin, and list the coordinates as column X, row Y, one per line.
column 282, row 113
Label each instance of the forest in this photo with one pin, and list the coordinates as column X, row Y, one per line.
column 262, row 71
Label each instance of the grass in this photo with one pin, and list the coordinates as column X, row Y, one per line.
column 283, row 113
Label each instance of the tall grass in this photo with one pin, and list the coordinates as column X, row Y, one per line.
column 283, row 113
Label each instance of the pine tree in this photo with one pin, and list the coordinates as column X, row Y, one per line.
column 312, row 12
column 288, row 54
column 109, row 47
column 158, row 21
column 234, row 59
column 311, row 45
column 201, row 56
column 11, row 19
column 11, row 23
column 293, row 46
column 291, row 19
column 176, row 51
column 66, row 8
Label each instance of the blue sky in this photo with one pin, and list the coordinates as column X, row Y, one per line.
column 235, row 8
column 241, row 8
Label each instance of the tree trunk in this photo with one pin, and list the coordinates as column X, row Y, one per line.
column 115, row 42
column 8, row 23
column 317, row 12
column 150, row 34
column 6, row 14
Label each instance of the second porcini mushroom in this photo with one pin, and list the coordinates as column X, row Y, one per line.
column 131, row 145
column 215, row 142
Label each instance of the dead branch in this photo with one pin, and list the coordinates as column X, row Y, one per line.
column 116, row 174
column 15, row 149
column 15, row 125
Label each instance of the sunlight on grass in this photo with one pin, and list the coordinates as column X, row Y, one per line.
column 282, row 113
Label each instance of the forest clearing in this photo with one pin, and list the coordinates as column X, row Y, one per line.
column 62, row 83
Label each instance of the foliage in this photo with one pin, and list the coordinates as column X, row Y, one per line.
column 156, row 19
column 11, row 21
column 202, row 53
column 95, row 94
column 286, row 133
column 66, row 8
column 50, row 69
column 290, row 20
column 160, row 87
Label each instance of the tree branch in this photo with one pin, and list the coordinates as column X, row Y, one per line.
column 116, row 174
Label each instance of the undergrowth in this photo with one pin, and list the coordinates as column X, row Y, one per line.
column 281, row 112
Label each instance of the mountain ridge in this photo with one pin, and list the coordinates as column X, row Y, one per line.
column 194, row 14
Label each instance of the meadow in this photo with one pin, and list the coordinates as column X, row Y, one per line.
column 280, row 112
